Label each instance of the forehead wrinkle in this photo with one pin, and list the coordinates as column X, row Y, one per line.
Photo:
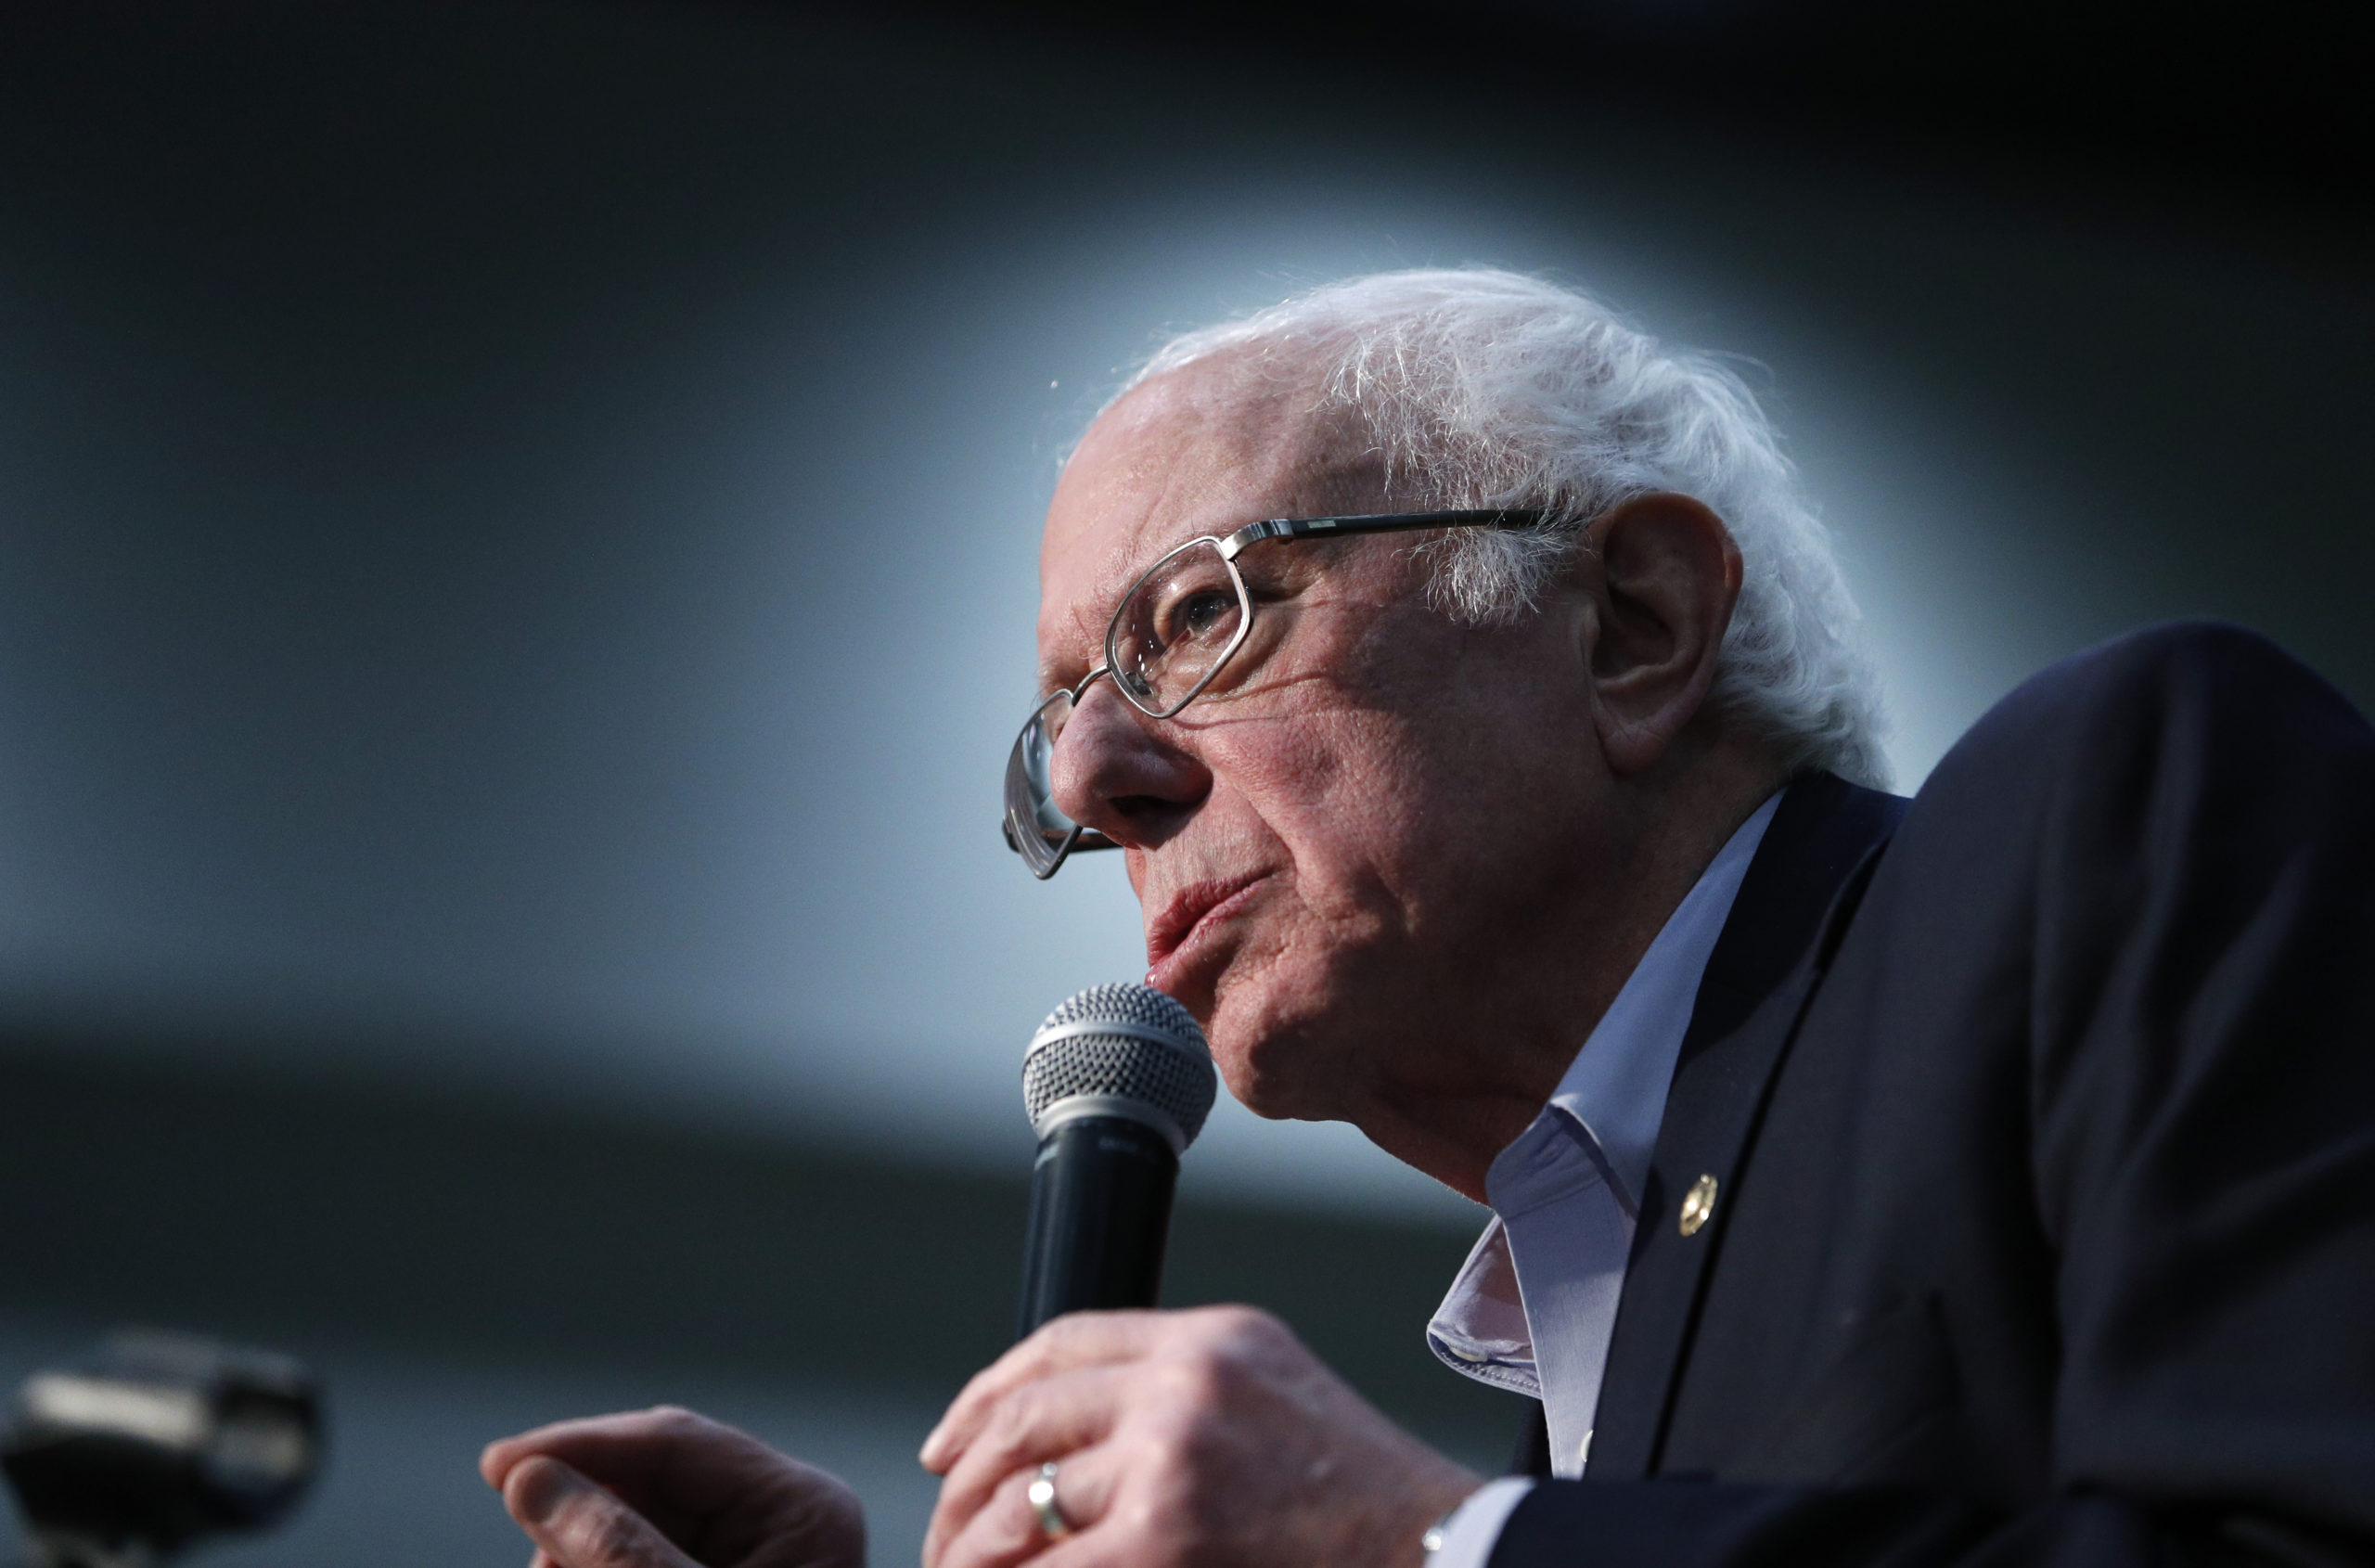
column 1193, row 454
column 1168, row 497
column 1087, row 613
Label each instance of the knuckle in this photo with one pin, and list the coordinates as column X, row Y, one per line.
column 1241, row 1333
column 1236, row 1316
column 1056, row 1338
column 1183, row 1382
column 1221, row 1317
column 1063, row 1339
column 1203, row 1376
column 1174, row 1452
column 1251, row 1326
column 615, row 1540
column 608, row 1537
column 1008, row 1427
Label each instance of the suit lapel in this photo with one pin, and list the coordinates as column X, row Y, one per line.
column 1805, row 881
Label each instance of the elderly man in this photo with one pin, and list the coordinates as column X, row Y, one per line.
column 1981, row 1179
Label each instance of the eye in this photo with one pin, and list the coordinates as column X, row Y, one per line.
column 1199, row 614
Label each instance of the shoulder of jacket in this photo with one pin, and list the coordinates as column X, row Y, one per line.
column 2202, row 683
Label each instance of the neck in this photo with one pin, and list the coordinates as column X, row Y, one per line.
column 1473, row 1101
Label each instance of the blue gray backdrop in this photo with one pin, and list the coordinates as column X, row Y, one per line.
column 516, row 530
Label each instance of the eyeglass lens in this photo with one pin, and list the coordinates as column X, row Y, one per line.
column 1039, row 832
column 1179, row 625
column 1186, row 615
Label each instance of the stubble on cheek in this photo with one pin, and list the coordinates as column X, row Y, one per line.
column 1244, row 1024
column 1296, row 1017
column 1285, row 1015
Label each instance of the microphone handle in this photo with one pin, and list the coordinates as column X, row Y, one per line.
column 1100, row 1208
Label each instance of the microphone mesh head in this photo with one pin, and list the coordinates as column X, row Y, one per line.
column 1151, row 1052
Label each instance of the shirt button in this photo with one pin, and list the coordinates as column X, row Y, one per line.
column 1472, row 1357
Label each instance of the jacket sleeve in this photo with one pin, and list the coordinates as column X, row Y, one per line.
column 2201, row 1057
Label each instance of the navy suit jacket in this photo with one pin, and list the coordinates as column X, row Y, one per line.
column 2039, row 1114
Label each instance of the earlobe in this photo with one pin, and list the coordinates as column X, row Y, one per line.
column 1668, row 575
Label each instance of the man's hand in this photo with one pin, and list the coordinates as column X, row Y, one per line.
column 667, row 1488
column 1204, row 1439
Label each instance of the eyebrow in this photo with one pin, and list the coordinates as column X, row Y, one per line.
column 1236, row 541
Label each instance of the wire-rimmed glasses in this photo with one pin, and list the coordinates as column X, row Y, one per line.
column 1181, row 620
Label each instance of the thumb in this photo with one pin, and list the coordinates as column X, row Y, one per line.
column 578, row 1524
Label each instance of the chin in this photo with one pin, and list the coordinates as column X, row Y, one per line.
column 1282, row 1068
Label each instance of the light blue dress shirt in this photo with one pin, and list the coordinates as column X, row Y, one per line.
column 1533, row 1307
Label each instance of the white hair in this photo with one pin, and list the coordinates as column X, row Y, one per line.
column 1479, row 388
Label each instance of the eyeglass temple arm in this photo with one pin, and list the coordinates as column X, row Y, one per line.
column 1380, row 522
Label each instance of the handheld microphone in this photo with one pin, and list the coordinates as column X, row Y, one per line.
column 1118, row 1082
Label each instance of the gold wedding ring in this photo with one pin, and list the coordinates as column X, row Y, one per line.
column 1042, row 1497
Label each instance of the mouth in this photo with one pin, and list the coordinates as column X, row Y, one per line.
column 1194, row 912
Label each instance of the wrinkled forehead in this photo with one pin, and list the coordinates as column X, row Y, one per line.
column 1204, row 450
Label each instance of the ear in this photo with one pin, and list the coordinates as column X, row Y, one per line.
column 1667, row 576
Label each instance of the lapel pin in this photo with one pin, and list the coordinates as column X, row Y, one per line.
column 1698, row 1205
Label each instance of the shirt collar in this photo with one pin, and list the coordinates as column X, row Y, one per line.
column 1615, row 1090
column 1611, row 1101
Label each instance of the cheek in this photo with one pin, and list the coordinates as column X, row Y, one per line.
column 1327, row 788
column 1373, row 825
column 1392, row 839
column 1324, row 807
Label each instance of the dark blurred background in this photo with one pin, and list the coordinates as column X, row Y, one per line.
column 517, row 529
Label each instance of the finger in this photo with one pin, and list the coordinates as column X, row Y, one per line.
column 1048, row 1420
column 587, row 1437
column 497, row 1457
column 1076, row 1340
column 695, row 1462
column 577, row 1524
column 1006, row 1530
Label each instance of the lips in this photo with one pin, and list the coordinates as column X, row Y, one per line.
column 1189, row 912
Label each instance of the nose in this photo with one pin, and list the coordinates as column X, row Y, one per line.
column 1122, row 774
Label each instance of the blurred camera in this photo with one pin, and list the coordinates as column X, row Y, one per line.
column 160, row 1439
